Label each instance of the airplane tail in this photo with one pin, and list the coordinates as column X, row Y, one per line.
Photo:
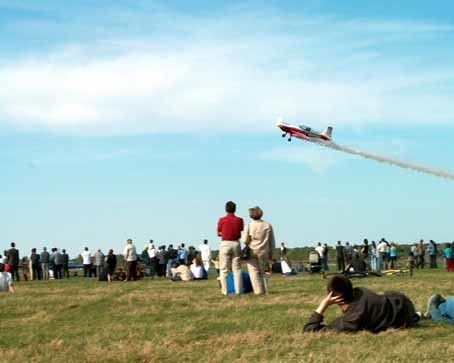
column 328, row 132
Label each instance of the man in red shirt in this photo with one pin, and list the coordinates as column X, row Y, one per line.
column 229, row 229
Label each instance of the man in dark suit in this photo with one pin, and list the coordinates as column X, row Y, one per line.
column 13, row 261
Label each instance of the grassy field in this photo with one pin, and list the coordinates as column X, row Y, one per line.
column 83, row 320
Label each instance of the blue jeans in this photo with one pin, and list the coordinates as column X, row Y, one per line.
column 444, row 312
column 169, row 266
column 381, row 256
column 373, row 263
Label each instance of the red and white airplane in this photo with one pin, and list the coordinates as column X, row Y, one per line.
column 304, row 132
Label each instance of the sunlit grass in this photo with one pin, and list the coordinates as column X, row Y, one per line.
column 80, row 320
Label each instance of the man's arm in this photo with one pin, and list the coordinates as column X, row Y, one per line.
column 247, row 236
column 272, row 242
column 316, row 319
column 219, row 229
column 314, row 323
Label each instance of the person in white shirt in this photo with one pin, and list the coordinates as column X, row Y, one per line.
column 130, row 256
column 153, row 256
column 86, row 261
column 205, row 253
column 381, row 253
column 320, row 250
column 286, row 269
column 197, row 269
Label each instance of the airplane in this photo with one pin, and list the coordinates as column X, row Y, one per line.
column 304, row 132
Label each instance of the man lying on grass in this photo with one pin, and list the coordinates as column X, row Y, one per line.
column 363, row 309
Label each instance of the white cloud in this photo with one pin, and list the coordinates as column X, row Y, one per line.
column 220, row 81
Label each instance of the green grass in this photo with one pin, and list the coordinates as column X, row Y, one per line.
column 83, row 320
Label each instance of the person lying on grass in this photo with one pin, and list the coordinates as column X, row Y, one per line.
column 362, row 309
column 440, row 308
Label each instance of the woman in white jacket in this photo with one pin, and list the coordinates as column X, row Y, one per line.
column 259, row 236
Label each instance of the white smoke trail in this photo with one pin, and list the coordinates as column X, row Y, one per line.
column 388, row 160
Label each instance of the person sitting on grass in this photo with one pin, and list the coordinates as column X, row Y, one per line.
column 6, row 281
column 356, row 268
column 181, row 272
column 286, row 267
column 197, row 269
column 362, row 309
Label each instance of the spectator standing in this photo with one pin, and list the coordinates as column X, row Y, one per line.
column 411, row 262
column 13, row 261
column 35, row 265
column 386, row 258
column 86, row 261
column 162, row 261
column 52, row 264
column 171, row 257
column 432, row 250
column 421, row 253
column 192, row 253
column 130, row 255
column 319, row 249
column 45, row 263
column 152, row 259
column 99, row 262
column 111, row 264
column 182, row 255
column 283, row 251
column 348, row 250
column 205, row 254
column 325, row 257
column 229, row 228
column 448, row 255
column 259, row 236
column 65, row 259
column 448, row 251
column 365, row 250
column 373, row 256
column 381, row 253
column 340, row 257
column 393, row 255
column 58, row 261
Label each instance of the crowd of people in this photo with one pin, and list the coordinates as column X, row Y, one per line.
column 384, row 255
column 361, row 308
column 37, row 266
column 187, row 264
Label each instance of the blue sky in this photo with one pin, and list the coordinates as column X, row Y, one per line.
column 141, row 119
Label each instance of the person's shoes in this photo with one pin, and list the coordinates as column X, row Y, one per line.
column 433, row 303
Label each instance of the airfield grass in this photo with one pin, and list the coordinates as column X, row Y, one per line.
column 83, row 320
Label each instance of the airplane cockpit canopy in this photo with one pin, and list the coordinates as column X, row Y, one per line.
column 305, row 128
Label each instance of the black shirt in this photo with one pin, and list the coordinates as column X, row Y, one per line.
column 370, row 311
